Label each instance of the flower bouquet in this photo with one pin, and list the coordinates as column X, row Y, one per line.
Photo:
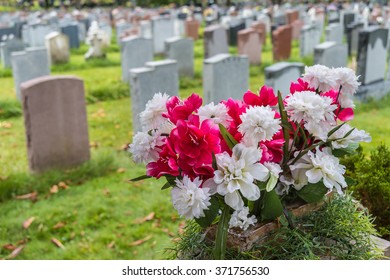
column 240, row 162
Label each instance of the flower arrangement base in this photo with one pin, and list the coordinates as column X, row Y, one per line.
column 243, row 240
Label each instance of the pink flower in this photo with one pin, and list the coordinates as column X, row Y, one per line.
column 266, row 97
column 272, row 150
column 166, row 164
column 181, row 110
column 343, row 114
column 299, row 86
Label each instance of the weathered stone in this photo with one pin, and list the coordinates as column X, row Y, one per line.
column 331, row 54
column 233, row 32
column 72, row 31
column 157, row 76
column 29, row 64
column 334, row 32
column 162, row 29
column 181, row 50
column 135, row 52
column 280, row 75
column 262, row 29
column 57, row 45
column 224, row 77
column 249, row 44
column 282, row 38
column 292, row 15
column 192, row 28
column 353, row 36
column 7, row 48
column 56, row 122
column 215, row 41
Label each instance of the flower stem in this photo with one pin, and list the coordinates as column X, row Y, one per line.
column 289, row 220
column 222, row 231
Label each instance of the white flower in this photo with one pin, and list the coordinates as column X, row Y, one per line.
column 189, row 199
column 315, row 110
column 151, row 117
column 237, row 173
column 240, row 219
column 274, row 171
column 347, row 79
column 217, row 113
column 319, row 77
column 313, row 167
column 258, row 124
column 356, row 136
column 146, row 147
column 345, row 101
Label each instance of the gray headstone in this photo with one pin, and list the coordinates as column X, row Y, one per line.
column 82, row 32
column 179, row 27
column 120, row 28
column 334, row 32
column 146, row 29
column 107, row 29
column 5, row 32
column 372, row 54
column 29, row 64
column 224, row 77
column 135, row 52
column 353, row 36
column 72, row 31
column 57, row 45
column 162, row 29
column 280, row 75
column 309, row 39
column 181, row 50
column 347, row 18
column 157, row 76
column 56, row 122
column 7, row 48
column 233, row 32
column 266, row 20
column 333, row 16
column 36, row 34
column 215, row 41
column 331, row 54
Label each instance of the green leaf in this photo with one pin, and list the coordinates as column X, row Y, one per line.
column 140, row 178
column 272, row 206
column 167, row 185
column 313, row 192
column 350, row 181
column 229, row 139
column 214, row 163
column 351, row 149
column 222, row 231
column 210, row 214
column 335, row 129
column 284, row 121
column 271, row 183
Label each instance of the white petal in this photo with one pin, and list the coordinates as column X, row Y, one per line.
column 234, row 200
column 314, row 175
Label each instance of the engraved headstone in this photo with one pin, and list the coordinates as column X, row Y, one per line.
column 279, row 75
column 215, row 41
column 181, row 50
column 331, row 54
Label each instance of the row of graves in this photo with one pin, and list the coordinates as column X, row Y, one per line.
column 57, row 129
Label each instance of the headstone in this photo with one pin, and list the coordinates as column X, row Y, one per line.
column 34, row 35
column 192, row 28
column 353, row 36
column 157, row 76
column 279, row 18
column 72, row 31
column 29, row 64
column 5, row 33
column 249, row 44
column 233, row 32
column 334, row 32
column 7, row 48
column 181, row 50
column 106, row 29
column 224, row 77
column 297, row 26
column 280, row 75
column 215, row 41
column 266, row 20
column 56, row 125
column 162, row 29
column 372, row 54
column 146, row 29
column 262, row 29
column 135, row 52
column 331, row 54
column 57, row 45
column 292, row 15
column 348, row 18
column 120, row 28
column 82, row 32
column 282, row 38
column 179, row 27
column 308, row 40
column 333, row 16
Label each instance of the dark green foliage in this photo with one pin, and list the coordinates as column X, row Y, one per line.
column 114, row 90
column 18, row 184
column 372, row 188
column 10, row 109
column 5, row 73
column 326, row 233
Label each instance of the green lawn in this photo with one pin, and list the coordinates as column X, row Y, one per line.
column 100, row 215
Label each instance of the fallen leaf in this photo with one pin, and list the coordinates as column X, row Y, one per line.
column 15, row 252
column 106, row 192
column 27, row 223
column 32, row 196
column 149, row 217
column 121, row 170
column 62, row 185
column 3, row 178
column 111, row 245
column 140, row 241
column 21, row 242
column 117, row 126
column 9, row 247
column 171, row 234
column 57, row 243
column 54, row 189
column 5, row 125
column 125, row 147
column 93, row 144
column 59, row 225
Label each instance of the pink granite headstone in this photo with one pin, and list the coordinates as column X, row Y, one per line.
column 249, row 44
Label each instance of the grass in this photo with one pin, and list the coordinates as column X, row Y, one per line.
column 100, row 215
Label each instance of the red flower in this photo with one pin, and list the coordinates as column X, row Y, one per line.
column 166, row 164
column 181, row 110
column 272, row 150
column 299, row 86
column 266, row 97
column 343, row 114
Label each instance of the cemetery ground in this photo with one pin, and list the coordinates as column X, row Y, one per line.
column 93, row 212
